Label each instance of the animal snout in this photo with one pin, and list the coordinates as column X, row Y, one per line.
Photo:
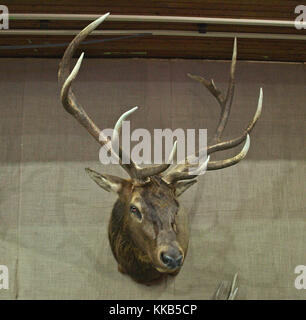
column 172, row 259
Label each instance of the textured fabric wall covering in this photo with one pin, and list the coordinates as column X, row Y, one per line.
column 53, row 219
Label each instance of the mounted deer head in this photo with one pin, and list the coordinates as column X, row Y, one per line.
column 148, row 229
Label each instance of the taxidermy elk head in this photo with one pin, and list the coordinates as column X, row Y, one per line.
column 148, row 229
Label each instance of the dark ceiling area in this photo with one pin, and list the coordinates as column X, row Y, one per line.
column 43, row 37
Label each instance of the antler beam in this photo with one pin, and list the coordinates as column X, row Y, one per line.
column 182, row 171
column 73, row 107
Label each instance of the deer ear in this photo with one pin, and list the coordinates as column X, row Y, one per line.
column 105, row 181
column 182, row 186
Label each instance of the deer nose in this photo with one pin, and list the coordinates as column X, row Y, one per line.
column 171, row 260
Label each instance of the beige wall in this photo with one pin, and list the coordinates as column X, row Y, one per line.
column 249, row 218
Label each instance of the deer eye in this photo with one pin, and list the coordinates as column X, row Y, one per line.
column 135, row 212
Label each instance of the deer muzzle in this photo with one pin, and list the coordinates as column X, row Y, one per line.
column 171, row 258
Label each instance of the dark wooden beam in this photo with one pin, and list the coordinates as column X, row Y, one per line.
column 161, row 46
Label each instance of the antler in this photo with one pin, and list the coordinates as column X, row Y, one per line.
column 181, row 171
column 73, row 107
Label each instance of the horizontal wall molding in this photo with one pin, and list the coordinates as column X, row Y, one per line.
column 160, row 19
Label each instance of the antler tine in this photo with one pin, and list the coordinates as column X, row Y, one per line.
column 185, row 172
column 229, row 97
column 72, row 106
column 65, row 79
column 235, row 142
column 215, row 165
column 142, row 173
column 225, row 103
column 224, row 145
column 159, row 168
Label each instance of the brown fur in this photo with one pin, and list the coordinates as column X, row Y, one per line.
column 136, row 245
